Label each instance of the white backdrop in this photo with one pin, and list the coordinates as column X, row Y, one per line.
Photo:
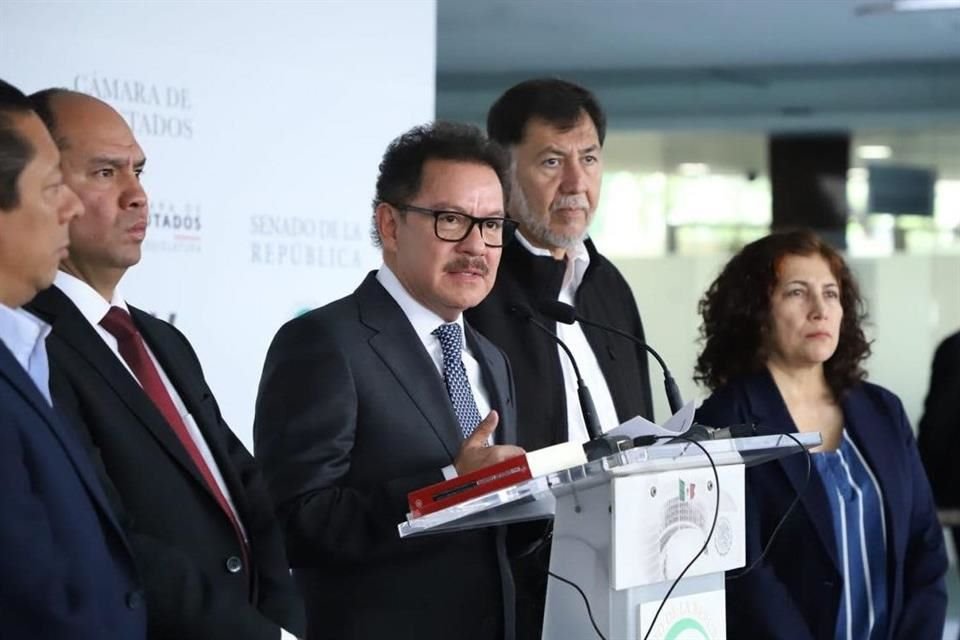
column 263, row 125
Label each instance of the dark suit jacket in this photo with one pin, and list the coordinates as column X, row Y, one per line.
column 605, row 297
column 181, row 538
column 65, row 568
column 938, row 434
column 795, row 592
column 352, row 415
column 939, row 430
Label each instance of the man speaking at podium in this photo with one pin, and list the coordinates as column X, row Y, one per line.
column 389, row 390
column 554, row 131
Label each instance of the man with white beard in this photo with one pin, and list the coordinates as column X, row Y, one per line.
column 554, row 131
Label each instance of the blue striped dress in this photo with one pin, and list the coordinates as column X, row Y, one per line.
column 859, row 525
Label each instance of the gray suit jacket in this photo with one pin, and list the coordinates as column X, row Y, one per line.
column 352, row 414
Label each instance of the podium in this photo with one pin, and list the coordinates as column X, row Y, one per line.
column 625, row 526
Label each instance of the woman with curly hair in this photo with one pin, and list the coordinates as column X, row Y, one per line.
column 862, row 556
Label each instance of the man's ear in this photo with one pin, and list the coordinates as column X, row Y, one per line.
column 387, row 222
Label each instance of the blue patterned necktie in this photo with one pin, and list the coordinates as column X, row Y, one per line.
column 455, row 376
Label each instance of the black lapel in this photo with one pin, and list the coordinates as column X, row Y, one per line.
column 20, row 380
column 400, row 348
column 188, row 380
column 770, row 414
column 72, row 331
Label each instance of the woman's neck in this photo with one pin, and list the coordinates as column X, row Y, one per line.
column 810, row 402
column 804, row 384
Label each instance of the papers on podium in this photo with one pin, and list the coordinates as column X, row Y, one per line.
column 676, row 425
column 504, row 474
column 532, row 465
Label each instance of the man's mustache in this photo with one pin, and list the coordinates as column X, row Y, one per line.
column 468, row 264
column 575, row 201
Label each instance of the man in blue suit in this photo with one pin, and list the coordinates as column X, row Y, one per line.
column 65, row 570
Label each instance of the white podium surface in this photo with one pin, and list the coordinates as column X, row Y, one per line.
column 534, row 498
column 625, row 526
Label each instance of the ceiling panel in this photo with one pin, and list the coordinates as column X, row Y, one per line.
column 482, row 36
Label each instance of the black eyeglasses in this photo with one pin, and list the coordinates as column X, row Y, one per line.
column 453, row 226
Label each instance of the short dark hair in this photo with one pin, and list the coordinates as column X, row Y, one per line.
column 736, row 313
column 559, row 102
column 401, row 170
column 42, row 102
column 16, row 152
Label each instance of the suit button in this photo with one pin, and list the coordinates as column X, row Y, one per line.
column 134, row 600
column 234, row 564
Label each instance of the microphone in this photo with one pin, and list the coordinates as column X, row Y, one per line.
column 599, row 445
column 703, row 432
column 562, row 312
column 583, row 393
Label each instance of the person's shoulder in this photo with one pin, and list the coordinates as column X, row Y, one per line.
column 321, row 320
column 54, row 306
column 950, row 345
column 336, row 327
column 724, row 394
column 147, row 318
column 598, row 261
column 878, row 392
column 725, row 405
column 164, row 335
column 602, row 270
column 887, row 401
column 155, row 325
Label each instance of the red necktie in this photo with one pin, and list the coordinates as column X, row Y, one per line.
column 120, row 325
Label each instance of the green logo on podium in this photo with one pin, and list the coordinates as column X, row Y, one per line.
column 687, row 629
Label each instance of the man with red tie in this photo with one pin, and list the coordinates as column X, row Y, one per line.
column 199, row 519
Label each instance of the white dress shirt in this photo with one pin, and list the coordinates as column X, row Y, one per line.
column 25, row 336
column 572, row 335
column 424, row 321
column 93, row 307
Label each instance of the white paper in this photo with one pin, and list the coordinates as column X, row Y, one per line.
column 677, row 424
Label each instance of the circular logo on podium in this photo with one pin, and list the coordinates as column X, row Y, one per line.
column 723, row 536
column 687, row 629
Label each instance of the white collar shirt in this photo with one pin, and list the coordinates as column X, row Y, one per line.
column 25, row 336
column 577, row 261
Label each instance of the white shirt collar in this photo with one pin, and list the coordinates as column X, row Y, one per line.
column 578, row 259
column 22, row 332
column 424, row 320
column 90, row 303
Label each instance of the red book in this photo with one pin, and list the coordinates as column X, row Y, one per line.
column 462, row 488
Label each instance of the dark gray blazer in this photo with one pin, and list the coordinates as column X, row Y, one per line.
column 352, row 414
column 184, row 544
